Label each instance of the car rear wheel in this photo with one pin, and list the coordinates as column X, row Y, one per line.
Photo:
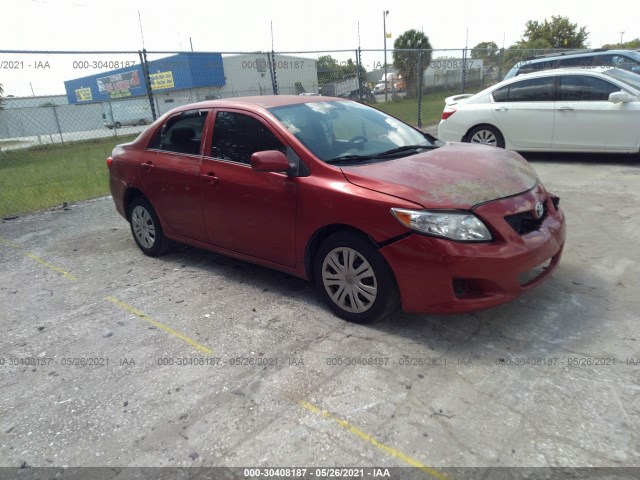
column 486, row 135
column 354, row 279
column 117, row 125
column 146, row 228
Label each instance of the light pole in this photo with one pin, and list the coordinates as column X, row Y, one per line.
column 384, row 26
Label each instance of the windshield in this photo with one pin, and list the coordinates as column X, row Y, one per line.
column 346, row 130
column 633, row 79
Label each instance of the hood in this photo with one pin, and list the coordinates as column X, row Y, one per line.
column 457, row 175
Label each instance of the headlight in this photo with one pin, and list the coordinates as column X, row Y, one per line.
column 460, row 226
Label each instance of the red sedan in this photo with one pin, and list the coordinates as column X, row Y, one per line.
column 377, row 213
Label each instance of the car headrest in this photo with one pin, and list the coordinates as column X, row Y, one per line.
column 182, row 134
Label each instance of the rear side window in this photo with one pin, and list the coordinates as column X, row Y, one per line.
column 181, row 134
column 585, row 88
column 237, row 136
column 530, row 90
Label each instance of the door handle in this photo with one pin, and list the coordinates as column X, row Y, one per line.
column 209, row 178
column 565, row 109
column 147, row 166
column 501, row 109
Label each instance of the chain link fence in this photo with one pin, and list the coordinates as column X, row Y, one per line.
column 53, row 145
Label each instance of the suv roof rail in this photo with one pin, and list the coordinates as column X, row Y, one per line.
column 572, row 52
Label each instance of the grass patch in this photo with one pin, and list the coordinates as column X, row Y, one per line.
column 49, row 175
column 430, row 111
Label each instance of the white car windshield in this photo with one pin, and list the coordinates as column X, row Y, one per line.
column 344, row 130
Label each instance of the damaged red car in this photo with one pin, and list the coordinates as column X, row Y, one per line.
column 376, row 213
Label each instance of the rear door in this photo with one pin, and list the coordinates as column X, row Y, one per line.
column 524, row 112
column 585, row 119
column 170, row 174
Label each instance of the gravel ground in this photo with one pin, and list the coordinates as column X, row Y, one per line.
column 109, row 358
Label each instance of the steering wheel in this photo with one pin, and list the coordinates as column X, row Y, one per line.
column 358, row 140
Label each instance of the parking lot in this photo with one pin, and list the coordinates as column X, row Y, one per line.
column 110, row 358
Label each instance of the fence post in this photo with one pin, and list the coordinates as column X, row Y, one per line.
column 359, row 75
column 55, row 114
column 419, row 87
column 464, row 68
column 147, row 81
column 113, row 120
column 272, row 67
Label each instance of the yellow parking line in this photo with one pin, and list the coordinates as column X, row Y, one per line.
column 66, row 274
column 9, row 242
column 169, row 330
column 371, row 440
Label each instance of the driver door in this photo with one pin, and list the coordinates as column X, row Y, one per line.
column 245, row 211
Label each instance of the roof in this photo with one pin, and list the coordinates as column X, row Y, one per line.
column 262, row 101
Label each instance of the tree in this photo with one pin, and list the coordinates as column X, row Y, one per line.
column 330, row 69
column 525, row 50
column 630, row 45
column 559, row 33
column 488, row 52
column 412, row 53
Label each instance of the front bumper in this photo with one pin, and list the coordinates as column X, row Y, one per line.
column 441, row 276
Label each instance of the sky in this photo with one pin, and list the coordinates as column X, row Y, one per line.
column 247, row 26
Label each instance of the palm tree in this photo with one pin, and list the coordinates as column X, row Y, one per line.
column 411, row 55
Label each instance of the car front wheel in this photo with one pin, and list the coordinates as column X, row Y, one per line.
column 146, row 228
column 486, row 135
column 354, row 279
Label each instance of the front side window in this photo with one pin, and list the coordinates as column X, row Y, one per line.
column 626, row 63
column 181, row 133
column 237, row 136
column 585, row 88
column 530, row 90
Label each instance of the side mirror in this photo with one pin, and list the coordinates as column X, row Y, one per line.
column 269, row 161
column 621, row 97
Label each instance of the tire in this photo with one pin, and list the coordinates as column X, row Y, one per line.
column 142, row 121
column 146, row 228
column 117, row 125
column 485, row 135
column 354, row 279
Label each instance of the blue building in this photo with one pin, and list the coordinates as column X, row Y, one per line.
column 184, row 71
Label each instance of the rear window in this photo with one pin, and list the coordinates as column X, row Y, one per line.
column 530, row 90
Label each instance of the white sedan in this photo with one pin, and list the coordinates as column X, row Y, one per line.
column 564, row 110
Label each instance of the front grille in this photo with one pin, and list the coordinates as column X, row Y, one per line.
column 525, row 222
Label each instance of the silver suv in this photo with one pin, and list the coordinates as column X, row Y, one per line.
column 625, row 59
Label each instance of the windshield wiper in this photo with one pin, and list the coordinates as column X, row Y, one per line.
column 404, row 148
column 348, row 158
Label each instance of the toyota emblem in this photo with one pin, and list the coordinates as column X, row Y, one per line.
column 539, row 210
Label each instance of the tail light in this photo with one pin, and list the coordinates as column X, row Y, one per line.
column 447, row 113
column 109, row 162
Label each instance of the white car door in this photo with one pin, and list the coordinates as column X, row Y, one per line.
column 524, row 112
column 587, row 120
